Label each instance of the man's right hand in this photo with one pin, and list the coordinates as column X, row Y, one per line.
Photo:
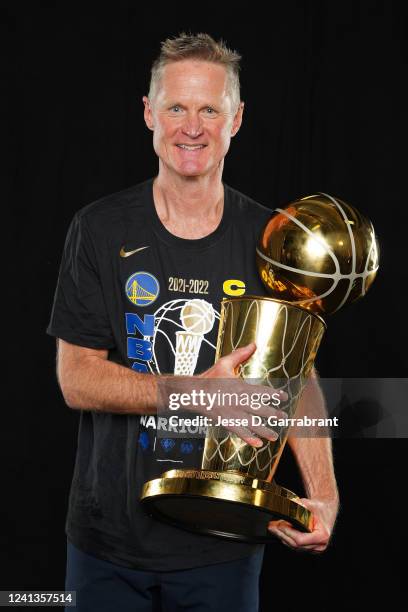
column 226, row 369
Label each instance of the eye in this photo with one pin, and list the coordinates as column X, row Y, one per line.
column 209, row 110
column 176, row 108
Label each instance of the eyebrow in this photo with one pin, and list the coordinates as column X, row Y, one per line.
column 207, row 104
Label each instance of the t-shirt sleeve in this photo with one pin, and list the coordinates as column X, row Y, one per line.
column 79, row 313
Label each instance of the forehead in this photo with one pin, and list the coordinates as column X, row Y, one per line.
column 193, row 79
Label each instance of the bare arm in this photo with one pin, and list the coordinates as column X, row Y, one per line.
column 89, row 381
column 315, row 460
column 314, row 454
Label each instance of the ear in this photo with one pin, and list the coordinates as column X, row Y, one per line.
column 148, row 113
column 236, row 124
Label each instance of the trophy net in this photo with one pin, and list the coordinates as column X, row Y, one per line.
column 284, row 360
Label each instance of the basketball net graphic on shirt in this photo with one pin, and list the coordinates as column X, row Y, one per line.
column 181, row 326
column 197, row 317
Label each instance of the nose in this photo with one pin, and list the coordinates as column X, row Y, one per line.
column 192, row 125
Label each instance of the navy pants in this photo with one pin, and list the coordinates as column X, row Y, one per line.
column 102, row 586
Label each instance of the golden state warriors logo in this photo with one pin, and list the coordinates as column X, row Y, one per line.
column 142, row 288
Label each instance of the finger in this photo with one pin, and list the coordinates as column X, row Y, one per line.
column 318, row 549
column 282, row 394
column 282, row 536
column 306, row 549
column 247, row 436
column 239, row 355
column 267, row 411
column 279, row 523
column 264, row 432
column 316, row 538
column 266, row 396
column 272, row 391
column 311, row 548
column 294, row 545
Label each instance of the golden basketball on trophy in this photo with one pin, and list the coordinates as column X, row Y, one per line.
column 314, row 256
column 318, row 253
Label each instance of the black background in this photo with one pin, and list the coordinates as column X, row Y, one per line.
column 325, row 111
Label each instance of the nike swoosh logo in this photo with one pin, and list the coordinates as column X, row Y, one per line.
column 124, row 253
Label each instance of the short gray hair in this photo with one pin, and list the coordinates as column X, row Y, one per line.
column 202, row 47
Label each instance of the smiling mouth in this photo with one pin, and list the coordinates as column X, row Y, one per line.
column 190, row 147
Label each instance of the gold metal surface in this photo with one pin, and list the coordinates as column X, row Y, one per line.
column 273, row 502
column 227, row 477
column 318, row 252
column 287, row 339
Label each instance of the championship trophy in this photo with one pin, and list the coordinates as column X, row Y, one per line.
column 314, row 256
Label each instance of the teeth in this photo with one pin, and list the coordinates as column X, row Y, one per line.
column 190, row 148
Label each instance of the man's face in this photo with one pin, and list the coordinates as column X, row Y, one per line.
column 192, row 117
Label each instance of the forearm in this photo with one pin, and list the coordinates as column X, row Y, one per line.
column 315, row 460
column 314, row 454
column 98, row 384
column 101, row 385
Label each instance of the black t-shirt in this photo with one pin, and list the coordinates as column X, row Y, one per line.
column 128, row 285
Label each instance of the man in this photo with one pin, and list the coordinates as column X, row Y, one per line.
column 133, row 263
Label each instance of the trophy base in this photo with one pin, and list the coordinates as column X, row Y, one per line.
column 225, row 504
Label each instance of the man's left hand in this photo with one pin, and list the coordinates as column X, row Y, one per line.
column 324, row 513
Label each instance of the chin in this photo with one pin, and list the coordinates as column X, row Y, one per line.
column 191, row 171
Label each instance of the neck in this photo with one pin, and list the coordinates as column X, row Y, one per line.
column 189, row 207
